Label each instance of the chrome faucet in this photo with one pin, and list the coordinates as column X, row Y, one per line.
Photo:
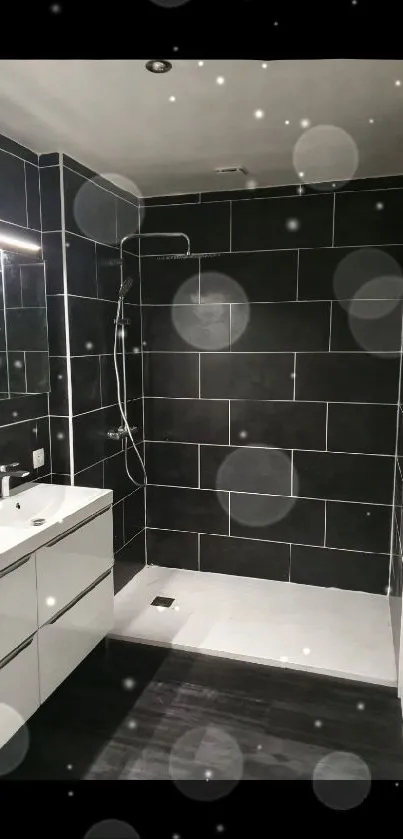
column 7, row 471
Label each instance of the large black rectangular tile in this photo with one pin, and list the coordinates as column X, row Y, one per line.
column 49, row 178
column 33, row 198
column 59, row 430
column 18, row 150
column 3, row 375
column 289, row 425
column 186, row 420
column 249, row 193
column 362, row 428
column 17, row 442
column 339, row 569
column 339, row 273
column 171, row 374
column 163, row 279
column 207, row 225
column 244, row 557
column 245, row 469
column 12, row 285
column 131, row 269
column 27, row 329
column 53, row 256
column 17, row 409
column 297, row 222
column 116, row 477
column 133, row 511
column 85, row 383
column 33, row 286
column 16, row 372
column 108, row 271
column 258, row 276
column 91, row 326
column 179, row 198
column 278, row 518
column 56, row 325
column 49, row 159
column 135, row 418
column 91, row 477
column 197, row 510
column 344, row 477
column 173, row 464
column 172, row 549
column 118, row 533
column 360, row 221
column 280, row 327
column 186, row 327
column 81, row 266
column 358, row 527
column 91, row 443
column 37, row 372
column 347, row 377
column 12, row 189
column 108, row 377
column 363, row 327
column 247, row 375
column 128, row 218
column 89, row 209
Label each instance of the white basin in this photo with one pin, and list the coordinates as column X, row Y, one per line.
column 60, row 508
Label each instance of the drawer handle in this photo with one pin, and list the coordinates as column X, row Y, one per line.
column 78, row 598
column 14, row 566
column 73, row 529
column 17, row 651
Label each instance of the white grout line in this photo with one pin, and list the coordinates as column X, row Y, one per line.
column 396, row 452
column 292, row 473
column 324, row 536
column 297, row 288
column 330, row 326
column 230, row 226
column 25, row 372
column 198, row 551
column 198, row 464
column 229, row 514
column 295, row 376
column 327, row 420
column 143, row 391
column 334, row 215
column 199, row 376
column 229, row 422
column 67, row 322
column 271, row 495
column 267, row 448
column 270, row 541
column 26, row 192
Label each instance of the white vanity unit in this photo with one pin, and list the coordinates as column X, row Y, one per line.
column 56, row 591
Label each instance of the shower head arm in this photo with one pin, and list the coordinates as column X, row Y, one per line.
column 149, row 235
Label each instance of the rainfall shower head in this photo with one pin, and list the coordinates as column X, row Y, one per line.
column 125, row 287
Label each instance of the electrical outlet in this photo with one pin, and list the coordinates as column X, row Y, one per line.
column 38, row 458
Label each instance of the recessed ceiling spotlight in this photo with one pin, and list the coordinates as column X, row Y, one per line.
column 259, row 114
column 264, row 65
column 287, row 122
column 220, row 80
column 201, row 63
column 275, row 23
column 159, row 66
column 172, row 98
column 304, row 123
column 397, row 82
column 371, row 121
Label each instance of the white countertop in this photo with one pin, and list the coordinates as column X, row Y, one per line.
column 62, row 507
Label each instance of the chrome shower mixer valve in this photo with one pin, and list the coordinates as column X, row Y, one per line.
column 121, row 433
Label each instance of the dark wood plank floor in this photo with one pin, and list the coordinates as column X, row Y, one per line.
column 132, row 712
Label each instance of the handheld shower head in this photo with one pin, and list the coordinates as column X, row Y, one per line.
column 125, row 287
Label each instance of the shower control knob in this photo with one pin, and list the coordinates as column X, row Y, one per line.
column 121, row 433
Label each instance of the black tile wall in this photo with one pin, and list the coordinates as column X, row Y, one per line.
column 339, row 569
column 246, row 557
column 24, row 421
column 173, row 548
column 292, row 416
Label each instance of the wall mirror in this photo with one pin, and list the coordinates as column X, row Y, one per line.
column 24, row 349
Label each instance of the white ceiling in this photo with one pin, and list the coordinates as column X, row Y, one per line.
column 116, row 117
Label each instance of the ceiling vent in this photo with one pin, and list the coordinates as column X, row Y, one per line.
column 232, row 170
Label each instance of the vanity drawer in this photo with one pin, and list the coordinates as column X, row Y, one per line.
column 71, row 564
column 18, row 607
column 19, row 688
column 66, row 641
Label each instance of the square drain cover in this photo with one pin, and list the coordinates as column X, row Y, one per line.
column 163, row 601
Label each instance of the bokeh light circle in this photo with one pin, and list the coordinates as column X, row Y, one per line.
column 341, row 780
column 325, row 154
column 206, row 324
column 111, row 829
column 103, row 216
column 13, row 753
column 203, row 756
column 366, row 272
column 257, row 471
